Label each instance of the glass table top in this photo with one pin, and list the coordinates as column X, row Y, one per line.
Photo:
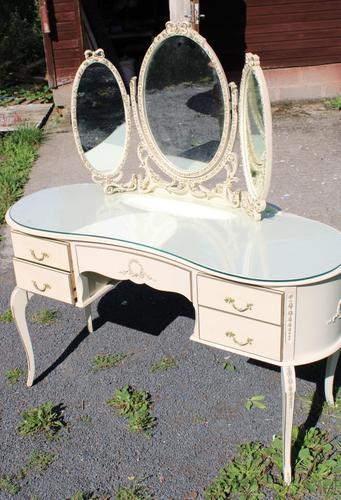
column 281, row 248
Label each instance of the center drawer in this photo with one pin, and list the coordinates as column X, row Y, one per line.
column 242, row 334
column 243, row 300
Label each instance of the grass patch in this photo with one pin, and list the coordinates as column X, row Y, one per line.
column 334, row 103
column 8, row 484
column 6, row 316
column 256, row 471
column 18, row 150
column 164, row 364
column 136, row 491
column 45, row 317
column 41, row 461
column 44, row 418
column 255, row 402
column 103, row 361
column 134, row 405
column 86, row 419
column 13, row 376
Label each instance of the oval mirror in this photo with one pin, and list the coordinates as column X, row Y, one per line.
column 100, row 116
column 183, row 100
column 255, row 128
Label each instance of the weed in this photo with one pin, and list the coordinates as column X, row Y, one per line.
column 44, row 418
column 6, row 316
column 135, row 491
column 41, row 461
column 102, row 361
column 45, row 317
column 199, row 420
column 18, row 151
column 86, row 419
column 135, row 406
column 334, row 103
column 13, row 376
column 9, row 485
column 16, row 94
column 164, row 364
column 255, row 401
column 256, row 471
column 327, row 409
column 229, row 366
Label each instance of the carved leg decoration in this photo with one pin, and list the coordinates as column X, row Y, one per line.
column 19, row 299
column 88, row 318
column 329, row 377
column 288, row 395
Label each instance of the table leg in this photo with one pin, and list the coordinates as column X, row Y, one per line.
column 19, row 299
column 288, row 395
column 329, row 377
column 88, row 318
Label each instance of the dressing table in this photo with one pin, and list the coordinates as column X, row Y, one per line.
column 264, row 284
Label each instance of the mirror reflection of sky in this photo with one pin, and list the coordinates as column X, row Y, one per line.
column 184, row 103
column 100, row 117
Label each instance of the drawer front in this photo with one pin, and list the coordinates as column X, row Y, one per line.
column 243, row 334
column 243, row 300
column 44, row 281
column 41, row 251
column 123, row 265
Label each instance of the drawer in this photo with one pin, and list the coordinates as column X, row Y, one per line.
column 243, row 300
column 48, row 252
column 242, row 334
column 121, row 265
column 44, row 281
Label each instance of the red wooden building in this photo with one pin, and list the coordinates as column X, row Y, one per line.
column 298, row 41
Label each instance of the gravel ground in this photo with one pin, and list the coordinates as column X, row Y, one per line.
column 199, row 406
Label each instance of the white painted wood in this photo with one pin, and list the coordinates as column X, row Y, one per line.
column 288, row 399
column 44, row 281
column 88, row 318
column 19, row 299
column 244, row 334
column 251, row 302
column 135, row 267
column 179, row 10
column 41, row 251
column 329, row 378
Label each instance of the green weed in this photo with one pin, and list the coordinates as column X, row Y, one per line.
column 86, row 419
column 334, row 103
column 6, row 316
column 135, row 491
column 17, row 94
column 135, row 406
column 164, row 364
column 256, row 472
column 45, row 317
column 103, row 361
column 44, row 418
column 41, row 461
column 255, row 401
column 13, row 376
column 229, row 366
column 18, row 150
column 200, row 420
column 8, row 484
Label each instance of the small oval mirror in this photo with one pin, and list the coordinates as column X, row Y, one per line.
column 184, row 104
column 100, row 115
column 255, row 129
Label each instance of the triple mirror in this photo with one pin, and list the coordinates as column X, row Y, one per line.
column 185, row 113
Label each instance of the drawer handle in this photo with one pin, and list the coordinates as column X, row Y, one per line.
column 45, row 286
column 44, row 255
column 230, row 300
column 249, row 340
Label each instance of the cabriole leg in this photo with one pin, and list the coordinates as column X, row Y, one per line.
column 288, row 395
column 329, row 377
column 88, row 318
column 19, row 299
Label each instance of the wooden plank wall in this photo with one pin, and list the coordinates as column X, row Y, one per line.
column 288, row 33
column 66, row 39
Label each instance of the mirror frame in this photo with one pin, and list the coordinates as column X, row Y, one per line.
column 252, row 67
column 108, row 179
column 221, row 157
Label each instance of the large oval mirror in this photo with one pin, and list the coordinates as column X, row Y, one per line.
column 100, row 115
column 184, row 103
column 255, row 129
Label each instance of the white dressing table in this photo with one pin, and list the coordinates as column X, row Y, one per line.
column 268, row 290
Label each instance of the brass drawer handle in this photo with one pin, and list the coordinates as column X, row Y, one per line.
column 45, row 286
column 230, row 300
column 40, row 259
column 249, row 340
